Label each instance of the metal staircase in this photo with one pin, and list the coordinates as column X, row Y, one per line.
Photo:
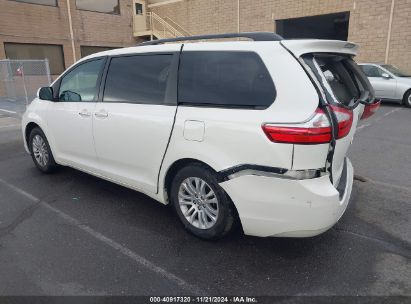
column 157, row 27
column 177, row 26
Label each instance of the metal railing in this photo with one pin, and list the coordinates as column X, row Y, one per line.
column 162, row 29
column 177, row 26
column 20, row 80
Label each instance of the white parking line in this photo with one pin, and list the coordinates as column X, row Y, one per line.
column 8, row 111
column 392, row 111
column 378, row 119
column 22, row 192
column 111, row 243
column 9, row 126
column 363, row 126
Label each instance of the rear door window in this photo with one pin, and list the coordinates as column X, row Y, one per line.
column 141, row 79
column 225, row 79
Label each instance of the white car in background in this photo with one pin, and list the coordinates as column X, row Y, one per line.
column 244, row 131
column 389, row 82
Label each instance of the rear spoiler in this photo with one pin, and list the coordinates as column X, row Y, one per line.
column 303, row 46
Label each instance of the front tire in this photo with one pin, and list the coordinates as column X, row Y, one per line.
column 407, row 99
column 41, row 152
column 201, row 204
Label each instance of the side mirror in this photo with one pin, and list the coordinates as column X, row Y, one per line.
column 45, row 93
column 385, row 75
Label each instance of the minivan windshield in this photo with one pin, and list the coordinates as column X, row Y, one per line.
column 396, row 71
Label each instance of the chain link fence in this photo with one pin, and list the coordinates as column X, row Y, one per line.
column 19, row 82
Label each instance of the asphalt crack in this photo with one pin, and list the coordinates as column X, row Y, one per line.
column 402, row 249
column 24, row 215
column 361, row 178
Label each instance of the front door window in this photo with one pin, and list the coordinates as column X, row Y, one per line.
column 81, row 83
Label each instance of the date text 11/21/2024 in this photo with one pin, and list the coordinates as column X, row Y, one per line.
column 203, row 299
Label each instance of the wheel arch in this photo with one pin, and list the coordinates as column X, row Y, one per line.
column 174, row 168
column 29, row 127
column 181, row 163
column 405, row 95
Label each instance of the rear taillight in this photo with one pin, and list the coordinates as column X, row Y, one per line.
column 344, row 118
column 315, row 131
column 370, row 109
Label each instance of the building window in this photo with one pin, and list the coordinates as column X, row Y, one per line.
column 88, row 50
column 41, row 2
column 54, row 53
column 101, row 6
column 139, row 9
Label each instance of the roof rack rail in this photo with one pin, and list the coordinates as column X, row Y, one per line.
column 255, row 36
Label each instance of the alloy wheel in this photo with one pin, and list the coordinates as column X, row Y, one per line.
column 40, row 151
column 198, row 203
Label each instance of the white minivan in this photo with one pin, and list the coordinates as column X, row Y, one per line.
column 249, row 132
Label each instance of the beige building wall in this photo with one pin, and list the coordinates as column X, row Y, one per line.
column 369, row 23
column 368, row 26
column 100, row 29
column 33, row 23
column 400, row 42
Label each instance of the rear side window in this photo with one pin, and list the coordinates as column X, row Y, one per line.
column 138, row 79
column 233, row 79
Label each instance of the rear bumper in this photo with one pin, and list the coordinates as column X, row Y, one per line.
column 270, row 206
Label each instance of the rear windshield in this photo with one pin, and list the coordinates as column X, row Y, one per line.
column 340, row 78
column 225, row 79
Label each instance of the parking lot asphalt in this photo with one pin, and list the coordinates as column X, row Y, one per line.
column 13, row 107
column 70, row 233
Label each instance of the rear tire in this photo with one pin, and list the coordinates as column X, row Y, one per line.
column 407, row 99
column 202, row 206
column 41, row 152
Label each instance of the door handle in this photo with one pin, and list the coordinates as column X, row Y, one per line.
column 84, row 113
column 101, row 114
